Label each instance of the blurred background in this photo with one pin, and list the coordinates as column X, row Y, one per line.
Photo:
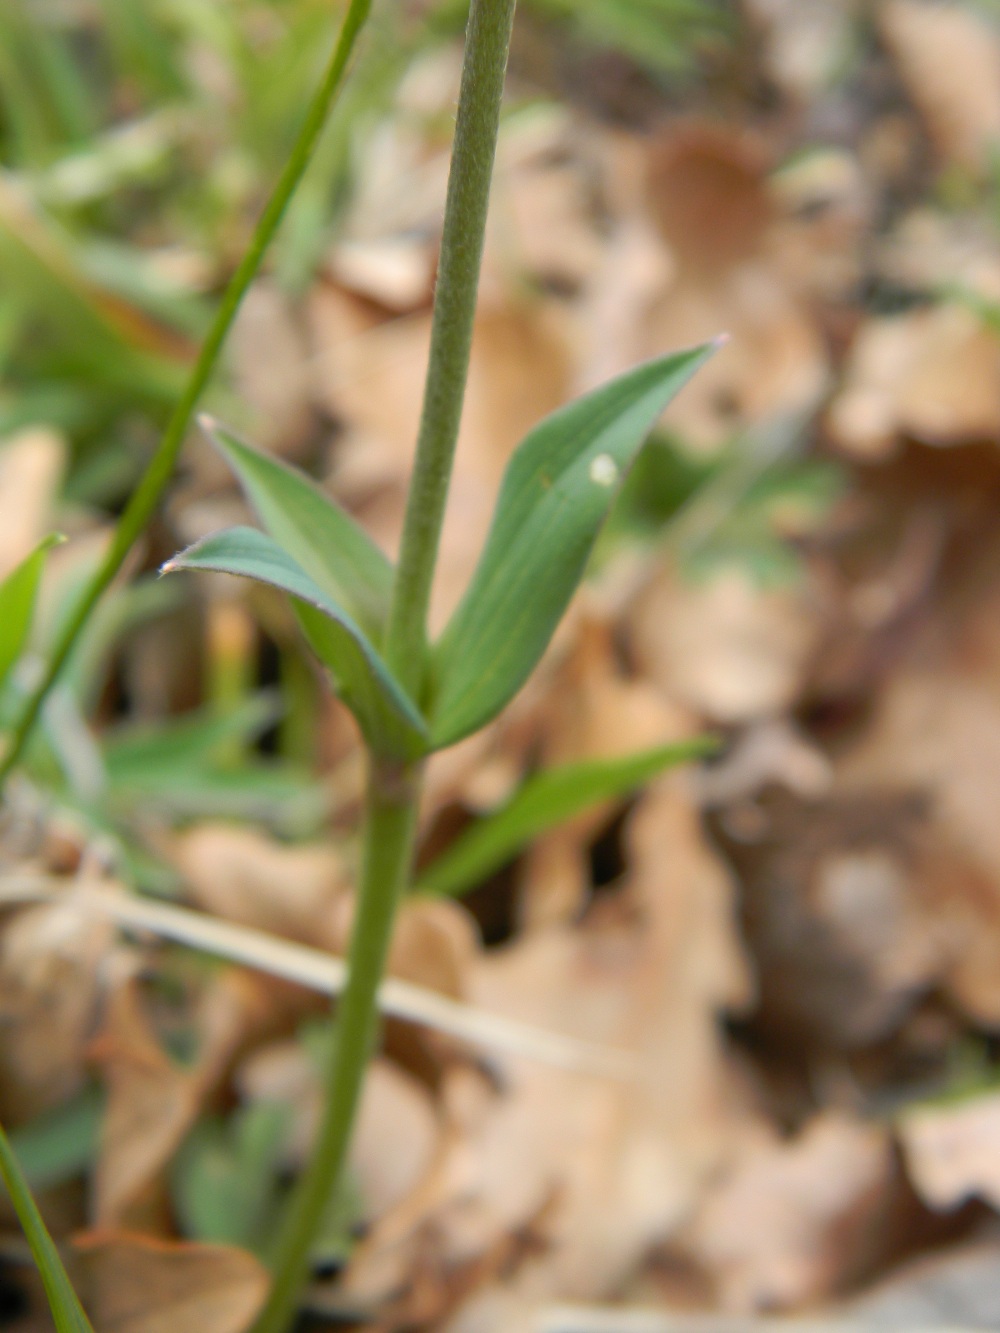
column 800, row 937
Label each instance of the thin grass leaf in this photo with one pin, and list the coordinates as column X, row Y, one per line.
column 543, row 802
column 315, row 531
column 67, row 1311
column 388, row 719
column 18, row 594
column 555, row 495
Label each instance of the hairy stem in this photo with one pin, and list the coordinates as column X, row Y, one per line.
column 393, row 794
column 390, row 822
column 487, row 45
column 154, row 481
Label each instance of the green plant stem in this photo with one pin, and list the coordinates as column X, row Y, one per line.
column 487, row 45
column 147, row 494
column 391, row 820
column 393, row 793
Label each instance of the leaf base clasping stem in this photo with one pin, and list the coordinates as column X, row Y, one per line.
column 394, row 790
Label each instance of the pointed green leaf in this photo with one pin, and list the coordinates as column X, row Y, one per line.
column 67, row 1312
column 18, row 592
column 555, row 495
column 315, row 531
column 543, row 802
column 389, row 720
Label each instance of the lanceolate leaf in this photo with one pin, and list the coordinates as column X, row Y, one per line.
column 543, row 802
column 555, row 495
column 316, row 532
column 389, row 720
column 18, row 592
column 67, row 1312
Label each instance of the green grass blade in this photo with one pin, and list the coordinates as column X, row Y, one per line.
column 146, row 495
column 555, row 495
column 390, row 722
column 65, row 1304
column 315, row 531
column 542, row 803
column 18, row 593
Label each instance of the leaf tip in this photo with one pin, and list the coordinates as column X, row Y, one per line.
column 720, row 340
column 208, row 423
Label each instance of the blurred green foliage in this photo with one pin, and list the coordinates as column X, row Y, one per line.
column 137, row 142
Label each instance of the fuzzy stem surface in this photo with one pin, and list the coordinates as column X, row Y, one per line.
column 146, row 496
column 393, row 793
column 390, row 822
column 486, row 49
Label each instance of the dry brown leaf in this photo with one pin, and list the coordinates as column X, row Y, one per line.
column 396, row 1137
column 710, row 197
column 824, row 214
column 803, row 41
column 153, row 1101
column 434, row 945
column 544, row 222
column 594, row 711
column 717, row 270
column 836, row 914
column 396, row 272
column 774, row 363
column 269, row 354
column 50, row 986
column 930, row 374
column 724, row 646
column 938, row 732
column 243, row 875
column 397, row 1131
column 598, row 1172
column 791, row 1221
column 949, row 58
column 930, row 248
column 934, row 732
column 951, row 1151
column 131, row 1284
